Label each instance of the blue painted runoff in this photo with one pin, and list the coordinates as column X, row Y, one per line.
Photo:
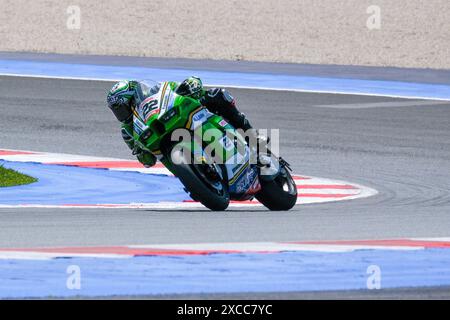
column 253, row 80
column 225, row 273
column 60, row 185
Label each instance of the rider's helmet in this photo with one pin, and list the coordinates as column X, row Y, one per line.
column 120, row 99
column 191, row 87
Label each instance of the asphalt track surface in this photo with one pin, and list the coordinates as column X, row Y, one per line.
column 401, row 149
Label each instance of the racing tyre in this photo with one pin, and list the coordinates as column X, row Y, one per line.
column 211, row 192
column 279, row 194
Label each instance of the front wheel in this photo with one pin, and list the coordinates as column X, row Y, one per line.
column 279, row 194
column 199, row 182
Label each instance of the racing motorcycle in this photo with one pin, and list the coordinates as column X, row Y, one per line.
column 157, row 115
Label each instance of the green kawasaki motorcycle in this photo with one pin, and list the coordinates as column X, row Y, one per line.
column 213, row 169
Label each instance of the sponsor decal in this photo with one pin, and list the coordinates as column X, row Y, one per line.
column 247, row 179
column 223, row 123
column 139, row 127
column 149, row 107
column 151, row 113
column 200, row 117
column 239, row 173
column 227, row 143
column 146, row 101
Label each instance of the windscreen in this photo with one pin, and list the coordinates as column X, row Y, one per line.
column 145, row 89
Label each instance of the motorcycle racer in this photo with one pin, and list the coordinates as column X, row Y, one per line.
column 120, row 100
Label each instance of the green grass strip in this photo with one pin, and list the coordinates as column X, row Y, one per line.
column 10, row 178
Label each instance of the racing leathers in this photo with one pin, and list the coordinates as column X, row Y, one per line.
column 216, row 100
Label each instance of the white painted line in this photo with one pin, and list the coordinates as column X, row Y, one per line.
column 55, row 77
column 391, row 104
column 443, row 239
column 148, row 206
column 332, row 92
column 271, row 247
column 30, row 255
column 125, row 252
column 162, row 171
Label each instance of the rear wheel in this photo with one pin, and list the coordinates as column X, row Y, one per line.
column 279, row 194
column 201, row 182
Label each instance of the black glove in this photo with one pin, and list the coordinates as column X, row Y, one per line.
column 148, row 159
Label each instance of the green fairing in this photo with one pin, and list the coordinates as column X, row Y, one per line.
column 160, row 111
column 157, row 133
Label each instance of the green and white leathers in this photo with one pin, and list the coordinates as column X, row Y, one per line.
column 121, row 101
column 193, row 143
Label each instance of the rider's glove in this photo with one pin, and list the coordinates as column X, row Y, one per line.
column 145, row 157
